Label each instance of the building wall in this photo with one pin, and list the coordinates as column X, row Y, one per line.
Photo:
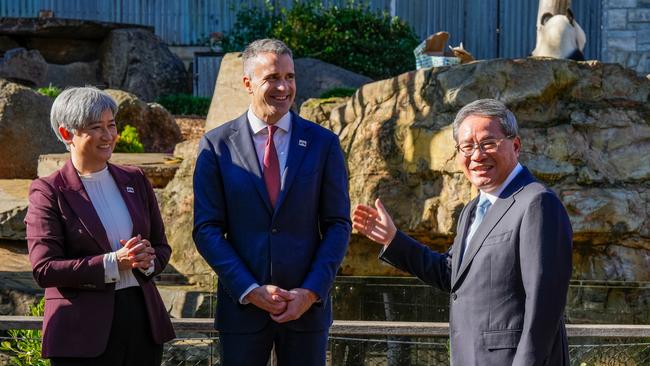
column 626, row 34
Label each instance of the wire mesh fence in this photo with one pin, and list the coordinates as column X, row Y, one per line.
column 202, row 349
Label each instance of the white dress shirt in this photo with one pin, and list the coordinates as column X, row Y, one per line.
column 281, row 139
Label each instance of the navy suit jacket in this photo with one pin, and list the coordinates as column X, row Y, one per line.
column 300, row 243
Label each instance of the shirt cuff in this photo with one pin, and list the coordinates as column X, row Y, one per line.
column 111, row 272
column 242, row 298
column 149, row 270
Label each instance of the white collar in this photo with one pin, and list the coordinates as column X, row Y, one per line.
column 257, row 125
column 492, row 196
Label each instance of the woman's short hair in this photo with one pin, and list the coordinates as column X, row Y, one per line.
column 76, row 108
column 488, row 108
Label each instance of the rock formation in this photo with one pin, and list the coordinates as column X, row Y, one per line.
column 26, row 131
column 156, row 127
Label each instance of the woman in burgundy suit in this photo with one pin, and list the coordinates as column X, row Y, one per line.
column 96, row 240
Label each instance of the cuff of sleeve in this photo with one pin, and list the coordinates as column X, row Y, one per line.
column 242, row 298
column 111, row 272
column 150, row 270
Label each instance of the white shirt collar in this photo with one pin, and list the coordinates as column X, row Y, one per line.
column 492, row 196
column 257, row 125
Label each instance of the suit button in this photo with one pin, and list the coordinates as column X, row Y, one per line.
column 274, row 230
column 453, row 296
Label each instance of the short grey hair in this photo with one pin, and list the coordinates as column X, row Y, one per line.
column 488, row 108
column 76, row 108
column 266, row 45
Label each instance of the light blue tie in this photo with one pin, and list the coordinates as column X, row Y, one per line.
column 482, row 207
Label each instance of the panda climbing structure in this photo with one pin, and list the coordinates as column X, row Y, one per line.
column 560, row 36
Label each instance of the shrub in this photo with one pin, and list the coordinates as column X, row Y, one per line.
column 338, row 92
column 25, row 344
column 129, row 141
column 353, row 36
column 50, row 91
column 185, row 104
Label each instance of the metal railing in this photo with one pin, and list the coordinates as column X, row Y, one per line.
column 354, row 343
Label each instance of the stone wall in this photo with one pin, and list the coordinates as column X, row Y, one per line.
column 626, row 34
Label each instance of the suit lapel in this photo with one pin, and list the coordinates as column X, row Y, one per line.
column 491, row 219
column 460, row 238
column 128, row 192
column 298, row 145
column 74, row 193
column 242, row 144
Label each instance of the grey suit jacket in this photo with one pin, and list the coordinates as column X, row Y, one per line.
column 507, row 296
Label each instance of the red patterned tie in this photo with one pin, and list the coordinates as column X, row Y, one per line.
column 271, row 167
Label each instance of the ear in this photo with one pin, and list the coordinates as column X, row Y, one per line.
column 545, row 18
column 516, row 144
column 65, row 133
column 248, row 84
column 569, row 15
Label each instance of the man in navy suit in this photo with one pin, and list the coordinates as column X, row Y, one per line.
column 272, row 218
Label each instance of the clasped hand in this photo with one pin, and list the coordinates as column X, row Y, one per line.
column 135, row 253
column 283, row 305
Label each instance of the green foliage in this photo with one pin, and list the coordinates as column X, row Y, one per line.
column 338, row 93
column 185, row 104
column 25, row 344
column 129, row 141
column 50, row 91
column 352, row 36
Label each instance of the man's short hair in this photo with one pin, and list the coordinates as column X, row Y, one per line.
column 267, row 45
column 488, row 108
column 76, row 108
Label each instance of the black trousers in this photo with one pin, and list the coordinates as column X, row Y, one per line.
column 130, row 342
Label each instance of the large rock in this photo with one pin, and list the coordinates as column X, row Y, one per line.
column 25, row 122
column 319, row 110
column 23, row 66
column 156, row 127
column 313, row 77
column 73, row 74
column 584, row 129
column 13, row 208
column 137, row 61
column 176, row 206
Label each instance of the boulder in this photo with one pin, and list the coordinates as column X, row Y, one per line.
column 319, row 110
column 23, row 66
column 583, row 126
column 73, row 74
column 25, row 122
column 137, row 61
column 13, row 208
column 176, row 207
column 156, row 127
column 7, row 43
column 313, row 77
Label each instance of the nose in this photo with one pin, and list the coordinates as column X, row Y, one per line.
column 480, row 154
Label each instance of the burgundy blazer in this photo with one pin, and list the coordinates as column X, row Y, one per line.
column 67, row 241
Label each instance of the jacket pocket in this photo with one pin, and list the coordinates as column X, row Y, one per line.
column 500, row 339
column 498, row 238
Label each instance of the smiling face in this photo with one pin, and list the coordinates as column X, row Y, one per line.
column 92, row 146
column 487, row 170
column 272, row 86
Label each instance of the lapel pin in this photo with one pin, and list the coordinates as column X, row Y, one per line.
column 302, row 143
column 130, row 189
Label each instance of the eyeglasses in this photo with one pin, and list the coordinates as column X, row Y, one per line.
column 486, row 146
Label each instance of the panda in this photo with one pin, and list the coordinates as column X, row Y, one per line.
column 560, row 36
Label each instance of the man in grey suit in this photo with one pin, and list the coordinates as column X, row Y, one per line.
column 509, row 267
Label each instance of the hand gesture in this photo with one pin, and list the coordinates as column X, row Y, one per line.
column 302, row 301
column 375, row 223
column 135, row 253
column 270, row 298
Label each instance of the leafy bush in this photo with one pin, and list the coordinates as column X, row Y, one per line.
column 129, row 141
column 352, row 36
column 185, row 104
column 50, row 91
column 25, row 344
column 338, row 92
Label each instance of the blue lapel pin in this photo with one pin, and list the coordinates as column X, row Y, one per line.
column 302, row 143
column 130, row 189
